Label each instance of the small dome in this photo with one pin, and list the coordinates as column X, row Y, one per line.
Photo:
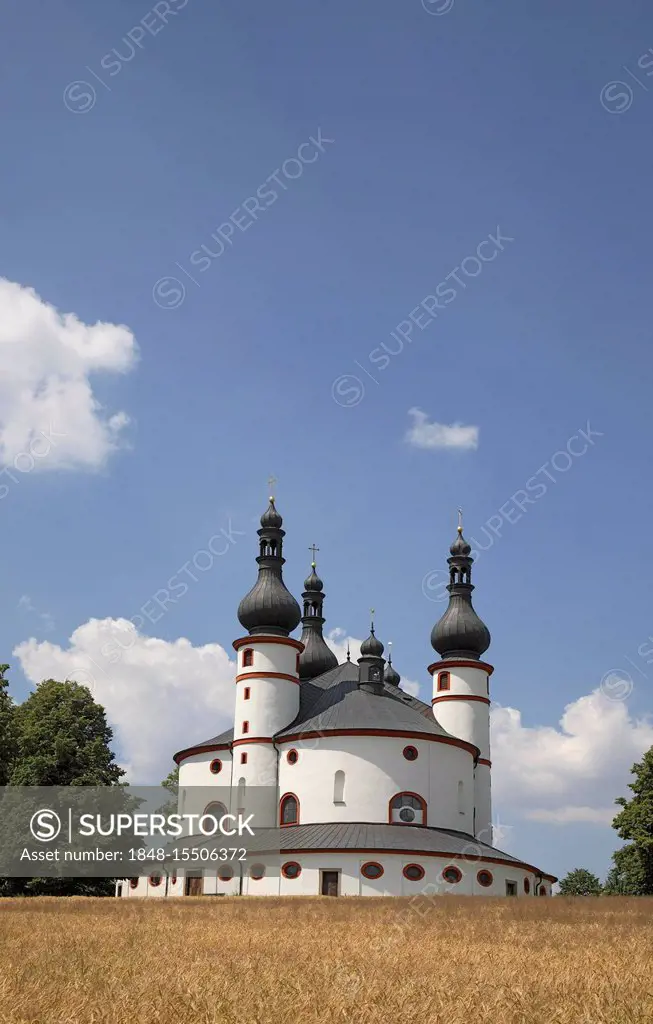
column 313, row 581
column 391, row 675
column 460, row 545
column 271, row 518
column 372, row 647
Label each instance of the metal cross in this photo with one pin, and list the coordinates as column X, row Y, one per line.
column 313, row 548
column 460, row 518
column 272, row 480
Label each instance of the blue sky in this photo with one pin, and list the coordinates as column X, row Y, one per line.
column 443, row 128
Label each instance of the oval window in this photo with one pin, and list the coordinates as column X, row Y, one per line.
column 371, row 869
column 485, row 878
column 133, row 883
column 452, row 874
column 527, row 886
column 292, row 757
column 216, row 766
column 414, row 872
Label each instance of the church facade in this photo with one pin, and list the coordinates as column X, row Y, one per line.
column 373, row 791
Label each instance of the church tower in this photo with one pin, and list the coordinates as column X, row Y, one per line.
column 267, row 679
column 316, row 657
column 461, row 681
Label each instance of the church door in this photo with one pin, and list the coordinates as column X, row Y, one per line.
column 194, row 885
column 330, row 883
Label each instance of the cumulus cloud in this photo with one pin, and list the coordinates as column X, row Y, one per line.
column 50, row 417
column 432, row 436
column 569, row 773
column 160, row 696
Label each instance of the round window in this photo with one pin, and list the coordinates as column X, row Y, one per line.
column 216, row 766
column 410, row 753
column 291, row 870
column 452, row 875
column 226, row 873
column 407, row 814
column 292, row 757
column 155, row 880
column 485, row 878
column 133, row 883
column 371, row 869
column 414, row 872
column 257, row 871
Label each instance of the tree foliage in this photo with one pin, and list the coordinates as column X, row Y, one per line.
column 7, row 728
column 635, row 823
column 580, row 882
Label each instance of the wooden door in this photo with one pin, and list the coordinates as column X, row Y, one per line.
column 194, row 885
column 330, row 883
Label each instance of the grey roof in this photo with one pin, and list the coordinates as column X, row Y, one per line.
column 335, row 701
column 214, row 741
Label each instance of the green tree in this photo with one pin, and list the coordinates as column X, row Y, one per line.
column 626, row 876
column 580, row 882
column 7, row 728
column 635, row 823
column 63, row 739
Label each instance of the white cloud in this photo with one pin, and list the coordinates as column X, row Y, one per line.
column 570, row 773
column 49, row 416
column 432, row 436
column 160, row 696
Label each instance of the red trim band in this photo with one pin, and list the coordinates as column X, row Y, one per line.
column 267, row 675
column 450, row 740
column 181, row 755
column 484, row 760
column 253, row 739
column 252, row 640
column 462, row 663
column 460, row 696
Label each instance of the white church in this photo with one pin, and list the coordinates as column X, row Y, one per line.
column 373, row 791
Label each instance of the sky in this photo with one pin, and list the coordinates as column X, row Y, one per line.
column 392, row 254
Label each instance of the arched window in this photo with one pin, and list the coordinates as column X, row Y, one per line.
column 339, row 787
column 444, row 681
column 542, row 890
column 527, row 886
column 240, row 794
column 248, row 657
column 215, row 809
column 289, row 810
column 461, row 798
column 407, row 809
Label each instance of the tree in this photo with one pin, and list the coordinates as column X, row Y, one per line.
column 635, row 823
column 63, row 739
column 7, row 729
column 626, row 876
column 580, row 882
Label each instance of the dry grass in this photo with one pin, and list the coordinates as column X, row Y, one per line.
column 273, row 961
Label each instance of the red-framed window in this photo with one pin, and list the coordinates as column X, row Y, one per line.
column 247, row 693
column 527, row 886
column 407, row 809
column 297, row 664
column 410, row 753
column 173, row 878
column 372, row 869
column 291, row 869
column 133, row 883
column 542, row 890
column 289, row 810
column 292, row 757
column 248, row 658
column 485, row 878
column 226, row 873
column 216, row 766
column 414, row 872
column 155, row 880
column 257, row 871
column 452, row 874
column 245, row 726
column 444, row 681
column 243, row 758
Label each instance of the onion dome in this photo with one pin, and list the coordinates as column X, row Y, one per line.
column 391, row 676
column 460, row 633
column 371, row 664
column 270, row 607
column 316, row 657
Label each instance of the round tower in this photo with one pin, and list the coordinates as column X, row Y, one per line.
column 461, row 681
column 267, row 678
column 316, row 657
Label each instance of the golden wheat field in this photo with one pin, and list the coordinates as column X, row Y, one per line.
column 272, row 961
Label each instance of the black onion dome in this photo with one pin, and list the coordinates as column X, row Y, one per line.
column 270, row 607
column 372, row 647
column 391, row 676
column 460, row 633
column 313, row 583
column 271, row 517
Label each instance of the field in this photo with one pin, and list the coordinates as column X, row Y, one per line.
column 273, row 961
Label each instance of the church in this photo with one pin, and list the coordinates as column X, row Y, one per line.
column 371, row 792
